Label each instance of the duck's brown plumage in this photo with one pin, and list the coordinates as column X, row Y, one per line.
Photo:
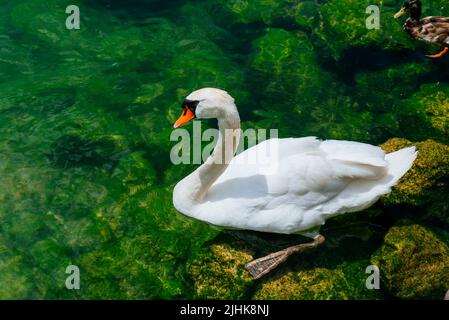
column 430, row 29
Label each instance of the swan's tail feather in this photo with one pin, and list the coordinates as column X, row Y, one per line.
column 400, row 162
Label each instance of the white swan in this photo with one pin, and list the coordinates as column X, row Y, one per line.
column 306, row 182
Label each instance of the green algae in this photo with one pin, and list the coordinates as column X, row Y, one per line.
column 320, row 283
column 246, row 11
column 425, row 185
column 334, row 271
column 345, row 20
column 219, row 273
column 87, row 116
column 414, row 262
column 427, row 108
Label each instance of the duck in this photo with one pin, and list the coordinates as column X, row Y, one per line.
column 432, row 29
column 280, row 185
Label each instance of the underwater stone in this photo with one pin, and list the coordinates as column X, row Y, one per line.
column 380, row 89
column 219, row 273
column 345, row 281
column 284, row 53
column 288, row 75
column 414, row 262
column 15, row 283
column 345, row 20
column 425, row 184
column 335, row 270
column 427, row 109
column 306, row 14
column 250, row 11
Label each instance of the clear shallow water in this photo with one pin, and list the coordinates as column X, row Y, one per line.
column 86, row 118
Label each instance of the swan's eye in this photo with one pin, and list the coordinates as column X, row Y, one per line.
column 190, row 104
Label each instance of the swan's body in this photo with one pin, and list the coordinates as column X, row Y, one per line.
column 315, row 180
column 306, row 182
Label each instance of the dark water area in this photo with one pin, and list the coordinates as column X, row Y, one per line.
column 86, row 117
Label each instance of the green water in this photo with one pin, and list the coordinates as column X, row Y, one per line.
column 86, row 116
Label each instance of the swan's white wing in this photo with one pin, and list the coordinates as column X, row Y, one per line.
column 265, row 157
column 354, row 159
column 314, row 164
column 306, row 182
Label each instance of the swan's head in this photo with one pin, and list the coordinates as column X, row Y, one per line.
column 206, row 103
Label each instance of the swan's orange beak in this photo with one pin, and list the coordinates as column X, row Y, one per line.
column 185, row 117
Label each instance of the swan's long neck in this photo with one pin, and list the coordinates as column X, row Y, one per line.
column 192, row 189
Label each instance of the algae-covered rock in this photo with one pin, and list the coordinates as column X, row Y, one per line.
column 250, row 11
column 425, row 184
column 288, row 77
column 283, row 53
column 335, row 270
column 40, row 18
column 146, row 261
column 15, row 284
column 414, row 262
column 426, row 113
column 219, row 272
column 133, row 46
column 381, row 89
column 306, row 14
column 345, row 281
column 345, row 20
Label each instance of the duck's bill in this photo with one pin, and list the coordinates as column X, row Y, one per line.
column 400, row 13
column 185, row 117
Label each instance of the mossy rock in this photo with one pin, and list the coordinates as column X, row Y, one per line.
column 335, row 270
column 219, row 272
column 426, row 113
column 346, row 20
column 414, row 262
column 425, row 184
column 251, row 11
column 344, row 282
column 288, row 75
column 390, row 84
column 15, row 284
column 306, row 14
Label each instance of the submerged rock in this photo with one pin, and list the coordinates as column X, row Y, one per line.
column 306, row 14
column 427, row 111
column 219, row 272
column 425, row 184
column 345, row 20
column 346, row 281
column 380, row 89
column 250, row 11
column 328, row 272
column 414, row 262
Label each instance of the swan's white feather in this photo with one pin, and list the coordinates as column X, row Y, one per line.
column 304, row 183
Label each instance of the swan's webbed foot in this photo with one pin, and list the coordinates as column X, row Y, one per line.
column 260, row 267
column 438, row 55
